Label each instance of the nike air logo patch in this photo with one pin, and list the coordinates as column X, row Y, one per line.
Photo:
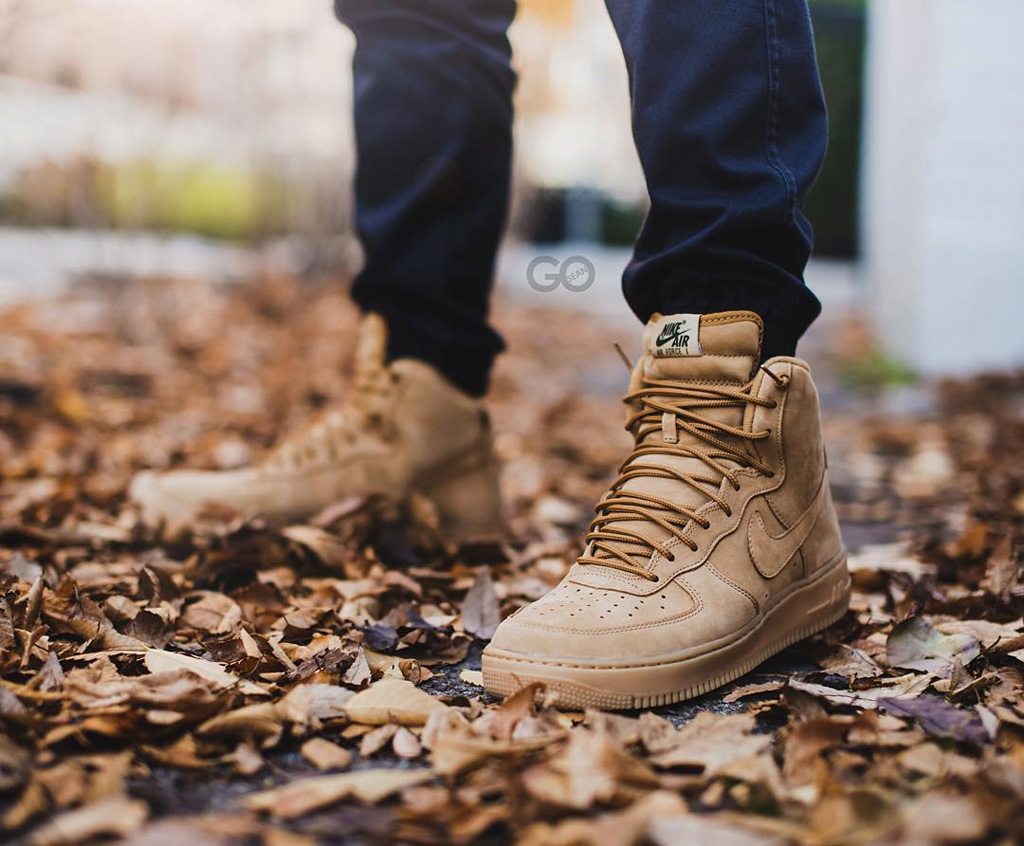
column 675, row 335
column 771, row 553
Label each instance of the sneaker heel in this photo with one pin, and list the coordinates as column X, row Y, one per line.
column 468, row 501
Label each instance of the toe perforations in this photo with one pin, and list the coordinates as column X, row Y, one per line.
column 579, row 608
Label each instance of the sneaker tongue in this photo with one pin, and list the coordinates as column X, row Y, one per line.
column 694, row 348
column 372, row 347
column 703, row 347
column 371, row 381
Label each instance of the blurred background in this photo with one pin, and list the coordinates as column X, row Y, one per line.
column 141, row 138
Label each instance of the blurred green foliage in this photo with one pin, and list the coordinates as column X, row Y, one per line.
column 218, row 201
column 620, row 223
column 874, row 371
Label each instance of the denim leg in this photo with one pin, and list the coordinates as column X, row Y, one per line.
column 433, row 118
column 729, row 121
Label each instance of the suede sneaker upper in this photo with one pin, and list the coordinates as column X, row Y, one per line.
column 404, row 429
column 716, row 545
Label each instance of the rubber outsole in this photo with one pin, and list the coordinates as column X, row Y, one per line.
column 823, row 598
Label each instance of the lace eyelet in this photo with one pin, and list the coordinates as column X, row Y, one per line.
column 770, row 474
column 773, row 404
column 706, row 524
column 655, row 578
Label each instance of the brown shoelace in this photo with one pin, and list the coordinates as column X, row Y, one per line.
column 672, row 407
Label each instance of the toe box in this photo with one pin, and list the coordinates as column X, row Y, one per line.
column 582, row 624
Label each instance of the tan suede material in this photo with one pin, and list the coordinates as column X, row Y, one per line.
column 781, row 530
column 409, row 429
column 699, row 610
column 730, row 343
column 824, row 542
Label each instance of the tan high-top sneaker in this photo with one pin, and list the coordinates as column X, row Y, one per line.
column 717, row 546
column 404, row 429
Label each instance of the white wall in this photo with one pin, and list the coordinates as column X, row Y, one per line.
column 944, row 181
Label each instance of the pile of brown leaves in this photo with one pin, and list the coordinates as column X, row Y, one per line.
column 320, row 683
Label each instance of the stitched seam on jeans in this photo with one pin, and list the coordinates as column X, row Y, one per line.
column 772, row 134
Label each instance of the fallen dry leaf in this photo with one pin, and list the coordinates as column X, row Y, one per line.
column 709, row 742
column 706, row 831
column 915, row 645
column 324, row 755
column 480, row 612
column 391, row 700
column 308, row 706
column 158, row 661
column 309, row 794
column 937, row 717
column 114, row 817
column 181, row 670
column 592, row 770
column 902, row 687
column 260, row 722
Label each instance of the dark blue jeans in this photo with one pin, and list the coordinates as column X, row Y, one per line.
column 729, row 121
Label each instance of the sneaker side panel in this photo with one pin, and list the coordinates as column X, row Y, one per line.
column 806, row 464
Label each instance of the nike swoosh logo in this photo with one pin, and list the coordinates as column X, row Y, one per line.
column 765, row 547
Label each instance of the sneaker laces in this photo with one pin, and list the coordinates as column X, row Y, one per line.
column 371, row 395
column 672, row 407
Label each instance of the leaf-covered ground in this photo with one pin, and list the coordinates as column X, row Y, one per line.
column 320, row 683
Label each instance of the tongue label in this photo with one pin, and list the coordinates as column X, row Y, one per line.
column 676, row 335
